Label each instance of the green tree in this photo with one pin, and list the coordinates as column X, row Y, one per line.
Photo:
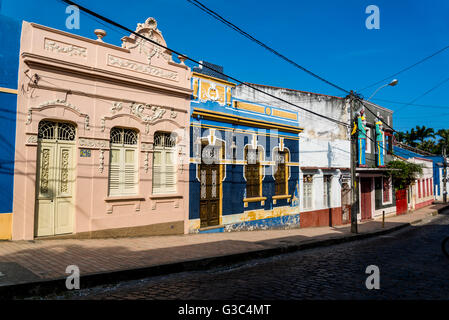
column 411, row 137
column 400, row 136
column 423, row 133
column 444, row 140
column 404, row 173
column 429, row 146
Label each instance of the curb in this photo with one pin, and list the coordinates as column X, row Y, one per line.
column 57, row 286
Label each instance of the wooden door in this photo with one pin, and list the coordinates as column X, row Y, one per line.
column 401, row 201
column 365, row 197
column 209, row 195
column 54, row 186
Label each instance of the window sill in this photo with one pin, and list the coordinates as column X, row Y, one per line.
column 124, row 198
column 284, row 196
column 166, row 196
column 255, row 199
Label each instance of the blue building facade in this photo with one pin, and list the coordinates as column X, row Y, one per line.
column 244, row 165
column 9, row 65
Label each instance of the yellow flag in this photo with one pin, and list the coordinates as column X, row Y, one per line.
column 355, row 129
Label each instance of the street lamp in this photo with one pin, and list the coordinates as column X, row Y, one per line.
column 392, row 83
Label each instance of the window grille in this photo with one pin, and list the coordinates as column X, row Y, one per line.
column 51, row 130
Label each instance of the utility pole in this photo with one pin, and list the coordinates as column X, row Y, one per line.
column 355, row 185
column 444, row 174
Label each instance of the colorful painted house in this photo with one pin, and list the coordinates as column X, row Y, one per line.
column 100, row 145
column 324, row 161
column 376, row 192
column 244, row 160
column 436, row 176
column 9, row 65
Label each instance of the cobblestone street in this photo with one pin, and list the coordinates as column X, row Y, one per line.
column 411, row 263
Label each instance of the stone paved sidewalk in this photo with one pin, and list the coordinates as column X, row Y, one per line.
column 30, row 261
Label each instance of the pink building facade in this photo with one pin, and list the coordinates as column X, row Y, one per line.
column 101, row 145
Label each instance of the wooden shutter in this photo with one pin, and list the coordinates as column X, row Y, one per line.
column 114, row 172
column 280, row 176
column 123, row 173
column 130, row 171
column 164, row 164
column 252, row 174
column 170, row 171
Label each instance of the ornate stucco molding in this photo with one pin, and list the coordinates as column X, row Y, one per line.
column 149, row 30
column 89, row 143
column 31, row 139
column 147, row 113
column 101, row 168
column 138, row 110
column 57, row 103
column 64, row 48
column 135, row 66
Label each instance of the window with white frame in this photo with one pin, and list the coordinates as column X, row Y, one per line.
column 308, row 191
column 164, row 163
column 123, row 173
column 327, row 183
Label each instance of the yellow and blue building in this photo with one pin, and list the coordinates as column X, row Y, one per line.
column 244, row 171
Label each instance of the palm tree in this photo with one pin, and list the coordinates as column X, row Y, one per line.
column 411, row 137
column 400, row 136
column 429, row 146
column 444, row 139
column 423, row 133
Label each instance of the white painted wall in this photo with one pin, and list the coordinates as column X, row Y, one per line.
column 440, row 185
column 426, row 174
column 322, row 143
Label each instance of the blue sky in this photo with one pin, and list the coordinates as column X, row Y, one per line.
column 327, row 36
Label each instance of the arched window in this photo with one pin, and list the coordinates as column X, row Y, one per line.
column 123, row 174
column 164, row 163
column 50, row 130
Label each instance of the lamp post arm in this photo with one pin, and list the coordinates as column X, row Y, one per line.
column 377, row 90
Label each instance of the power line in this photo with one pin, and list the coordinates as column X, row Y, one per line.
column 96, row 15
column 407, row 68
column 247, row 35
column 413, row 104
column 425, row 93
column 116, row 24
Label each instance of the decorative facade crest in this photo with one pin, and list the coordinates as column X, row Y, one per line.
column 138, row 109
column 149, row 30
column 147, row 113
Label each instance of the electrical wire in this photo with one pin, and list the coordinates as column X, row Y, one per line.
column 109, row 21
column 425, row 93
column 407, row 68
column 247, row 35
